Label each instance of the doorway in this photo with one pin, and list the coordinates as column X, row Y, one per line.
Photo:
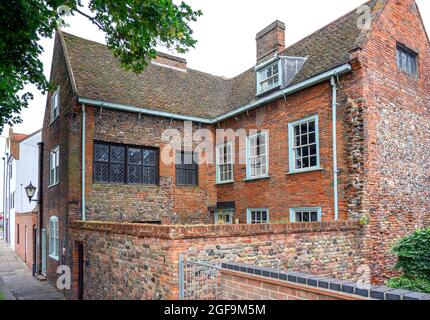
column 80, row 248
column 43, row 251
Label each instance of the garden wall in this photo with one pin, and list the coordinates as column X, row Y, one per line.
column 136, row 261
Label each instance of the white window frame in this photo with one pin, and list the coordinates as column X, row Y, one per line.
column 54, row 238
column 291, row 137
column 220, row 147
column 249, row 215
column 262, row 78
column 294, row 210
column 55, row 105
column 54, row 166
column 229, row 212
column 248, row 156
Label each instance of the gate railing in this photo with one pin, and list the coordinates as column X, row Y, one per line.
column 198, row 280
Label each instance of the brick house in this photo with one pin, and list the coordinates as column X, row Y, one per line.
column 104, row 135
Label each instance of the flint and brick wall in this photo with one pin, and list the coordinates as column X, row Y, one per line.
column 135, row 261
column 396, row 133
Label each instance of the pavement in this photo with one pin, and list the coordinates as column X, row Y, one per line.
column 16, row 281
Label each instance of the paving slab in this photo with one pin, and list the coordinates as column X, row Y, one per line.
column 16, row 281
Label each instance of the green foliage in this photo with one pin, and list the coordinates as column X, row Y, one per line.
column 1, row 296
column 133, row 29
column 405, row 283
column 364, row 220
column 413, row 254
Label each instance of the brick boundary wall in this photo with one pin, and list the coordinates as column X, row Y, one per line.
column 245, row 282
column 120, row 256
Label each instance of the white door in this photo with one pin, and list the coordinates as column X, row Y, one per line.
column 44, row 251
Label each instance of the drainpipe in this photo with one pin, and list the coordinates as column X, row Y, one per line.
column 40, row 211
column 4, row 198
column 335, row 168
column 83, row 213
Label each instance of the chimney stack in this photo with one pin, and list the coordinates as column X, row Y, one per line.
column 171, row 61
column 270, row 40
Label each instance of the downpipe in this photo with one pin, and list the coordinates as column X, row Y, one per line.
column 334, row 134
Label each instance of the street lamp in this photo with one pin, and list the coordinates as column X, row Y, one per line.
column 30, row 190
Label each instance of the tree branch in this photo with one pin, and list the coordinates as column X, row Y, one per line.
column 92, row 19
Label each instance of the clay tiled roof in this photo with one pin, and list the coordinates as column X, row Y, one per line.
column 99, row 75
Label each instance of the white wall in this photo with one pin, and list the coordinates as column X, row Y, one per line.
column 27, row 171
column 24, row 171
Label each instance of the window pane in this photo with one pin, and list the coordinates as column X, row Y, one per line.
column 314, row 216
column 149, row 157
column 101, row 172
column 117, row 154
column 117, row 173
column 101, row 152
column 134, row 156
column 134, row 174
column 149, row 175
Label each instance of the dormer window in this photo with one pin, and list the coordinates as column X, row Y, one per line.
column 278, row 72
column 269, row 77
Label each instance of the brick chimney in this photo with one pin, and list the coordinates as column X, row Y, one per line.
column 270, row 40
column 171, row 61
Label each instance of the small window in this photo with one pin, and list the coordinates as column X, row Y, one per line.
column 55, row 105
column 125, row 164
column 305, row 215
column 186, row 169
column 54, row 164
column 17, row 234
column 225, row 163
column 257, row 216
column 54, row 238
column 257, row 156
column 304, row 145
column 268, row 77
column 407, row 60
column 224, row 216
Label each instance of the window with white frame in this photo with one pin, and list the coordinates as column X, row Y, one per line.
column 55, row 105
column 54, row 238
column 304, row 144
column 268, row 77
column 224, row 216
column 54, row 164
column 257, row 156
column 257, row 216
column 224, row 166
column 305, row 215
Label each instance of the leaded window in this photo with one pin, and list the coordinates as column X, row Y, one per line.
column 115, row 163
column 407, row 60
column 186, row 169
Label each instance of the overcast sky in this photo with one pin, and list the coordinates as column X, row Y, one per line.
column 226, row 37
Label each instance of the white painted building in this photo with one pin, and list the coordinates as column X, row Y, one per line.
column 21, row 168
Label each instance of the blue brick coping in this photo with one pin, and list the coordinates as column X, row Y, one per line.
column 375, row 292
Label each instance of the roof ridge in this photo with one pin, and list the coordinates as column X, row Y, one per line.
column 328, row 25
column 158, row 52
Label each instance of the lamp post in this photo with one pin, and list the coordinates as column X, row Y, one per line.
column 30, row 190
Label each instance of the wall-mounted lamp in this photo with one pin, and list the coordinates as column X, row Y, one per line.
column 30, row 190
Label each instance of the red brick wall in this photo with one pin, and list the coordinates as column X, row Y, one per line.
column 284, row 191
column 239, row 286
column 133, row 261
column 24, row 247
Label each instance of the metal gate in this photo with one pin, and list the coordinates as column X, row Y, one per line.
column 198, row 280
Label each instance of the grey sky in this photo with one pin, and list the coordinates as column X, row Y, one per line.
column 225, row 34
